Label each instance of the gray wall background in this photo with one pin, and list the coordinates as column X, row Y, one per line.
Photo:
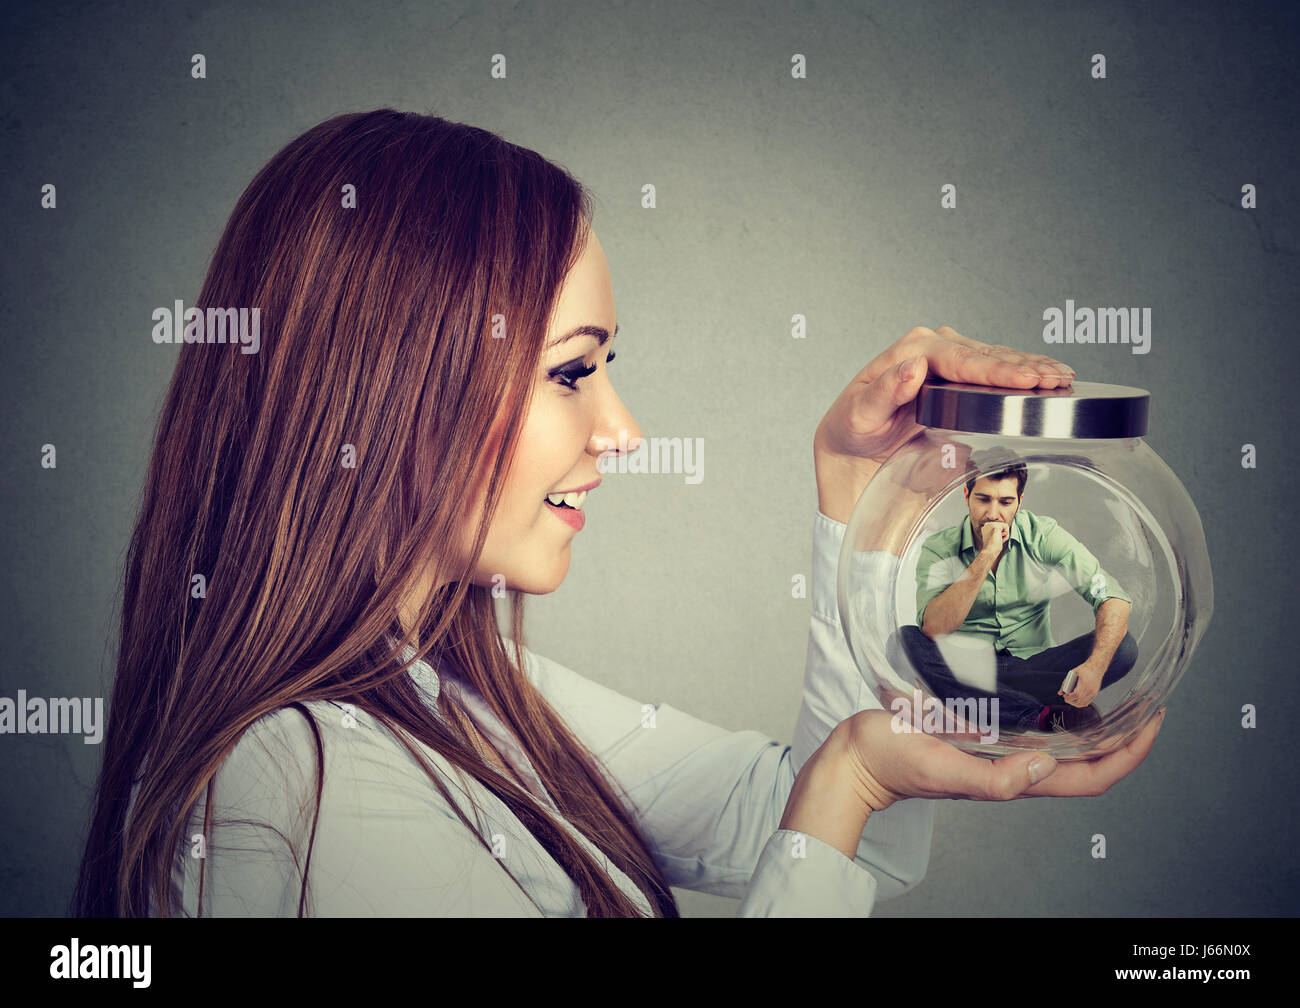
column 776, row 196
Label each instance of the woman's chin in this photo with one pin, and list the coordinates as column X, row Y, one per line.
column 557, row 579
column 544, row 582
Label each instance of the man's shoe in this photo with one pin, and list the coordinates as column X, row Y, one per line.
column 1067, row 718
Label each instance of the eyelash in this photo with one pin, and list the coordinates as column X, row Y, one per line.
column 570, row 378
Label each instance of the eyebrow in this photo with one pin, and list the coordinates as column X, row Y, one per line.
column 602, row 335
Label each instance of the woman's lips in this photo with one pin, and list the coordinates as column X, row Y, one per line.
column 572, row 517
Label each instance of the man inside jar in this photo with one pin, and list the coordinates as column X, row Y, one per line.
column 986, row 577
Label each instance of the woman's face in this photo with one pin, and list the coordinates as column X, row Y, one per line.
column 564, row 433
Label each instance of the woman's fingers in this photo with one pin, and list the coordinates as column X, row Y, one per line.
column 922, row 766
column 867, row 418
column 1048, row 367
column 926, row 767
column 878, row 402
column 959, row 358
column 1001, row 779
column 1095, row 777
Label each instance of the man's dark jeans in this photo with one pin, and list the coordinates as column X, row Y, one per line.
column 1025, row 685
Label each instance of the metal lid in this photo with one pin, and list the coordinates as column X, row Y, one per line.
column 1081, row 410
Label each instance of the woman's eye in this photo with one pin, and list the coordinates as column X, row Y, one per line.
column 569, row 376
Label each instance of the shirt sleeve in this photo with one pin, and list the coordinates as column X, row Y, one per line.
column 710, row 800
column 895, row 846
column 387, row 843
column 1061, row 551
column 934, row 575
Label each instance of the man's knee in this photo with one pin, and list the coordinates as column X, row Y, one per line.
column 900, row 643
column 911, row 634
column 915, row 643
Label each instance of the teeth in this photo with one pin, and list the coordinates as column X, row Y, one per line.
column 574, row 500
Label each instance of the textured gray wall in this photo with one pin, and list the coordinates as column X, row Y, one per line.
column 776, row 196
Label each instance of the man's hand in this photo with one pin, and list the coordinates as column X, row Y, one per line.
column 995, row 537
column 1088, row 686
column 874, row 415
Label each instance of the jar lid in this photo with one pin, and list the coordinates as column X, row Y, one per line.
column 1081, row 410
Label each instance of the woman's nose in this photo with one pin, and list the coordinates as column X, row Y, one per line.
column 619, row 430
column 624, row 439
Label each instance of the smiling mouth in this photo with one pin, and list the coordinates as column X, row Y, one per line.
column 571, row 501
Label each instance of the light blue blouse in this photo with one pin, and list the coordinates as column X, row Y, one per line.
column 708, row 800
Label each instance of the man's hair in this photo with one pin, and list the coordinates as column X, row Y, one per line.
column 1018, row 471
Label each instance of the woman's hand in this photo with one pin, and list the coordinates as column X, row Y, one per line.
column 865, row 765
column 873, row 416
column 888, row 765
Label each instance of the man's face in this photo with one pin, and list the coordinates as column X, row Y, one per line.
column 992, row 501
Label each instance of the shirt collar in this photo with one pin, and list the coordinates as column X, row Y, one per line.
column 424, row 674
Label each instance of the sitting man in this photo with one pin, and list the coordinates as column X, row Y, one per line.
column 989, row 576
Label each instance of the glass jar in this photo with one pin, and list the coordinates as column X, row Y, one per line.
column 1103, row 541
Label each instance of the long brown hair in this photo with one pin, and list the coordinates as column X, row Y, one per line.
column 377, row 325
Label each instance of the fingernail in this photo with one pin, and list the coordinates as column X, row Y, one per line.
column 907, row 369
column 1032, row 372
column 1039, row 769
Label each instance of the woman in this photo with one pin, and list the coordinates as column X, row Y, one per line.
column 315, row 711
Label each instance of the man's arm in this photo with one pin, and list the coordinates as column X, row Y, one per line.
column 1112, row 625
column 948, row 610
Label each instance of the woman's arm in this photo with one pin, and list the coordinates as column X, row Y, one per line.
column 807, row 867
column 711, row 801
column 895, row 847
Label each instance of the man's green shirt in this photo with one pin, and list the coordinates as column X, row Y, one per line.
column 1012, row 604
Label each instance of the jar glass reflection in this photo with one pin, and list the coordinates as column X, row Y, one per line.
column 1102, row 569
